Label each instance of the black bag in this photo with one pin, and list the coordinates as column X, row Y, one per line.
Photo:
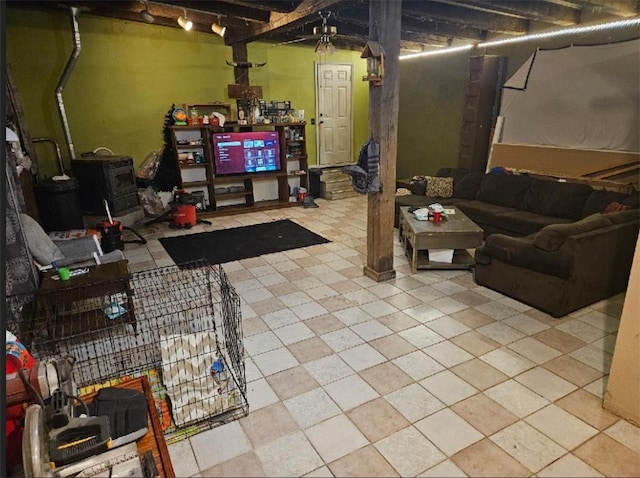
column 365, row 176
column 126, row 409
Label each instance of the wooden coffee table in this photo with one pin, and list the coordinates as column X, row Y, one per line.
column 456, row 231
column 106, row 281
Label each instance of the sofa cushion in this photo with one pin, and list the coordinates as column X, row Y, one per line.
column 439, row 187
column 620, row 217
column 633, row 200
column 521, row 252
column 599, row 199
column 503, row 189
column 552, row 237
column 523, row 223
column 555, row 198
column 483, row 212
column 41, row 247
column 467, row 187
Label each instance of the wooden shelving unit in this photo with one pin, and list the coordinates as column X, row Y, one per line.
column 237, row 193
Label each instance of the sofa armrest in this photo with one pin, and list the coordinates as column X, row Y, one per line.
column 520, row 251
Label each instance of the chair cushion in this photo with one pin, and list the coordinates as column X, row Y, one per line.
column 41, row 247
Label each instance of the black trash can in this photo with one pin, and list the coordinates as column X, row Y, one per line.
column 59, row 204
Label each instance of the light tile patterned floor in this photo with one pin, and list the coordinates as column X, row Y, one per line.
column 424, row 375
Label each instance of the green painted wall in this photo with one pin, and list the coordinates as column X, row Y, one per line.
column 430, row 115
column 128, row 75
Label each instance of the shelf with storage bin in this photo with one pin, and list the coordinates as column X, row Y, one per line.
column 251, row 191
column 295, row 154
column 192, row 147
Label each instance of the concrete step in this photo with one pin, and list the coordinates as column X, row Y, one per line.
column 332, row 174
column 336, row 190
column 336, row 185
column 331, row 195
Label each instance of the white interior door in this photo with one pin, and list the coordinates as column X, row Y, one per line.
column 334, row 86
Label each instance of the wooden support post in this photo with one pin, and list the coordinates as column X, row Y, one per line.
column 240, row 55
column 384, row 27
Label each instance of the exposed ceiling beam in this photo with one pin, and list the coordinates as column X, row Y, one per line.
column 409, row 40
column 620, row 8
column 279, row 21
column 228, row 9
column 272, row 6
column 465, row 16
column 526, row 9
column 414, row 29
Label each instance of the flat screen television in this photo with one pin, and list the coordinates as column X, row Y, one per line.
column 246, row 152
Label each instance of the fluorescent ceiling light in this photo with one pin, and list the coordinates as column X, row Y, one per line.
column 629, row 22
column 436, row 52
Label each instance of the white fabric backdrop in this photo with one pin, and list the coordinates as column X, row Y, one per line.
column 582, row 97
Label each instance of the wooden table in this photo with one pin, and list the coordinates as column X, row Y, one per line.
column 456, row 231
column 153, row 440
column 60, row 299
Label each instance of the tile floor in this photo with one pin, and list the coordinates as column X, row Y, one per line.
column 424, row 375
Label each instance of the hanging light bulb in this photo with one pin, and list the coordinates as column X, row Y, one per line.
column 184, row 22
column 324, row 46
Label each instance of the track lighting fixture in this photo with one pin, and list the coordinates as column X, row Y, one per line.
column 145, row 15
column 218, row 29
column 184, row 22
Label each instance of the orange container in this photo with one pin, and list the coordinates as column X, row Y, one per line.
column 185, row 216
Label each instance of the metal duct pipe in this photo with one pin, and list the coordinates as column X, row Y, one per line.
column 51, row 140
column 71, row 63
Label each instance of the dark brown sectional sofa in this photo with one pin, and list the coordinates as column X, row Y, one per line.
column 549, row 244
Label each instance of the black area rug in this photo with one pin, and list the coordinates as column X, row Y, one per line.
column 237, row 243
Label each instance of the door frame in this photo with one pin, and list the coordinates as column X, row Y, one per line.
column 317, row 65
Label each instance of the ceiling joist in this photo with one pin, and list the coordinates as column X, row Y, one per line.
column 425, row 23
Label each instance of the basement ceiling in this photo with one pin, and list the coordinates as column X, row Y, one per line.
column 426, row 24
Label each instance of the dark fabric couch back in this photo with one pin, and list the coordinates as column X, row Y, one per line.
column 553, row 198
column 503, row 189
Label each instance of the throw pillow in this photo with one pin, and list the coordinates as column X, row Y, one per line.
column 439, row 187
column 615, row 206
column 41, row 247
column 403, row 192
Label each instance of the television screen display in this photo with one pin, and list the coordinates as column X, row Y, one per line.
column 246, row 152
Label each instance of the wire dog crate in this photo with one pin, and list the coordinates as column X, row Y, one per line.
column 181, row 326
